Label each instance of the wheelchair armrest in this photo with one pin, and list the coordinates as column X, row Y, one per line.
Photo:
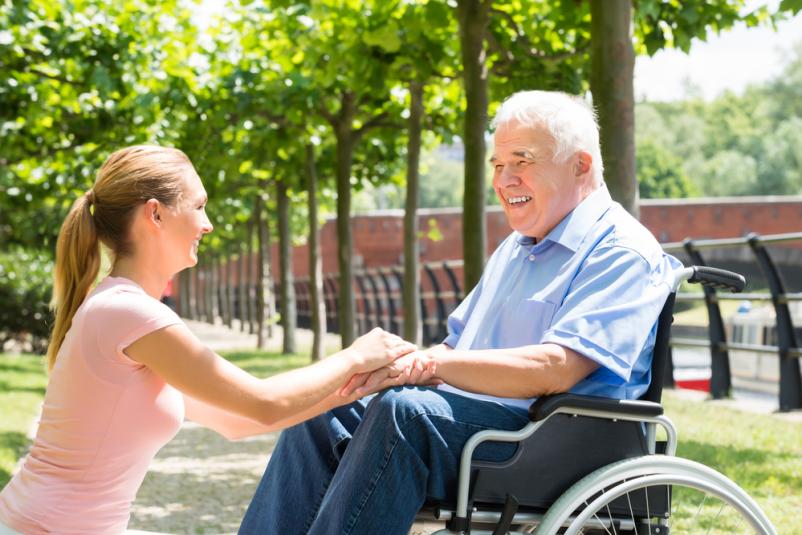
column 546, row 405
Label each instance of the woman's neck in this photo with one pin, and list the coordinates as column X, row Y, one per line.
column 151, row 280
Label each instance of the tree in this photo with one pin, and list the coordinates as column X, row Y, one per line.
column 73, row 87
column 660, row 174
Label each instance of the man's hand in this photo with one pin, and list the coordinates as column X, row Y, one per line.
column 415, row 368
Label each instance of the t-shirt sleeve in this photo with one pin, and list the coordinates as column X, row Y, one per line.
column 611, row 309
column 124, row 318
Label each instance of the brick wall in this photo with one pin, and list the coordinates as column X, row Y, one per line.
column 378, row 237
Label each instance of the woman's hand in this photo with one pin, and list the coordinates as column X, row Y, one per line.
column 376, row 349
column 416, row 368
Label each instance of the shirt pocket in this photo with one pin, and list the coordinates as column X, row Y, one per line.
column 526, row 322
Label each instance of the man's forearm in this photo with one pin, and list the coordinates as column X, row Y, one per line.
column 519, row 372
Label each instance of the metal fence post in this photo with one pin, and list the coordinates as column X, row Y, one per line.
column 720, row 376
column 790, row 381
column 362, row 319
column 332, row 321
column 454, row 283
column 392, row 320
column 376, row 299
column 442, row 317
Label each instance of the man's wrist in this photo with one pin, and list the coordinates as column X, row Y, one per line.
column 438, row 356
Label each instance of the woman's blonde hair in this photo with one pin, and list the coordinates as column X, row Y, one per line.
column 128, row 178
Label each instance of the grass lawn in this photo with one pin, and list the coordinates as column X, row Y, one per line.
column 698, row 314
column 761, row 453
column 22, row 387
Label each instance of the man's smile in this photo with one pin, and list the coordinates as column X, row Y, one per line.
column 519, row 200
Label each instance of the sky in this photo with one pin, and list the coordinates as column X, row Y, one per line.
column 729, row 61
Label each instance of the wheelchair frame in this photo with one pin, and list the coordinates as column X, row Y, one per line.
column 617, row 478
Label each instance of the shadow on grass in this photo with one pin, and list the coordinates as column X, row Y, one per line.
column 749, row 468
column 22, row 364
column 17, row 444
column 7, row 387
column 262, row 364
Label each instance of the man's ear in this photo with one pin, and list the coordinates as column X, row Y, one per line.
column 583, row 163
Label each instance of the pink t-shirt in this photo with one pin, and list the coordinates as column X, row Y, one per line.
column 104, row 418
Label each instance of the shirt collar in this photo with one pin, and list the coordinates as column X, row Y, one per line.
column 574, row 227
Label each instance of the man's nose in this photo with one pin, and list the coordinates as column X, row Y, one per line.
column 508, row 177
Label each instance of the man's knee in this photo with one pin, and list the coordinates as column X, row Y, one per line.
column 402, row 405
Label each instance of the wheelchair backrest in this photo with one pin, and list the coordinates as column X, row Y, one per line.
column 662, row 351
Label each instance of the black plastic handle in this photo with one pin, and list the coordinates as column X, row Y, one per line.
column 718, row 278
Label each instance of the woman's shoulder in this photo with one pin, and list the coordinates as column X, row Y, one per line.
column 116, row 298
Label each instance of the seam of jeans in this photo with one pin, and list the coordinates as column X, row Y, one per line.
column 319, row 501
column 374, row 481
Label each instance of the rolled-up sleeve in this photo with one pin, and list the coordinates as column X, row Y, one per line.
column 611, row 308
column 458, row 318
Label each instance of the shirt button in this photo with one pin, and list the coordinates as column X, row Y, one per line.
column 531, row 258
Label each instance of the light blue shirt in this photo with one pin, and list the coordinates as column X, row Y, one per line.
column 595, row 284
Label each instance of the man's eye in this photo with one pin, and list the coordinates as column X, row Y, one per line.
column 498, row 167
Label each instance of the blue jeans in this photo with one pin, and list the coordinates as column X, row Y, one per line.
column 368, row 467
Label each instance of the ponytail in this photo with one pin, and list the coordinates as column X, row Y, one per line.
column 77, row 267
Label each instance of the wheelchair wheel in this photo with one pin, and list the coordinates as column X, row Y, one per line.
column 655, row 495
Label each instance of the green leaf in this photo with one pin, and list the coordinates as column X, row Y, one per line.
column 794, row 6
column 384, row 37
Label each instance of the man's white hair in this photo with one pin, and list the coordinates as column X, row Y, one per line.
column 569, row 119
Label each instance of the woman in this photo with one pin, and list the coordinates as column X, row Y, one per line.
column 125, row 370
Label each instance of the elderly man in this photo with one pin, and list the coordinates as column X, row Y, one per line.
column 568, row 302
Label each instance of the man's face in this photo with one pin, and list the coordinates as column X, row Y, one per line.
column 536, row 193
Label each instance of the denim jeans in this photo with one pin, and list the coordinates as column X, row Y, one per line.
column 368, row 467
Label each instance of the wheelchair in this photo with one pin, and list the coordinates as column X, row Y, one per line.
column 590, row 465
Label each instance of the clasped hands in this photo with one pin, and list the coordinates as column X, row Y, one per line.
column 409, row 366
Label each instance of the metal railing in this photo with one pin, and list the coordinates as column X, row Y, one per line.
column 379, row 302
column 787, row 347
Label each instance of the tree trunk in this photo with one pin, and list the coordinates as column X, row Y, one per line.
column 214, row 288
column 611, row 82
column 228, row 295
column 262, row 276
column 183, row 295
column 288, row 318
column 317, row 305
column 250, row 277
column 193, row 294
column 473, row 16
column 242, row 292
column 411, row 295
column 345, row 250
column 269, row 289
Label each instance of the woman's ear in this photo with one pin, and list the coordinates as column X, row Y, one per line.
column 153, row 210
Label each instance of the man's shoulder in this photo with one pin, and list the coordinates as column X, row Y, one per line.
column 622, row 230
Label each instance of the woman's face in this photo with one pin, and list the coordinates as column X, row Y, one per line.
column 186, row 223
